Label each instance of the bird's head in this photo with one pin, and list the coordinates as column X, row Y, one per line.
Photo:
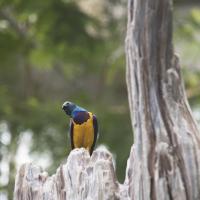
column 69, row 107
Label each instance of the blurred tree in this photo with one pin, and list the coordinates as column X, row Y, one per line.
column 187, row 26
column 54, row 51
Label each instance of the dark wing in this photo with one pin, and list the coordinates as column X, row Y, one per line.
column 95, row 125
column 71, row 134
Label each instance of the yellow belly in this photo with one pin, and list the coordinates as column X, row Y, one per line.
column 83, row 135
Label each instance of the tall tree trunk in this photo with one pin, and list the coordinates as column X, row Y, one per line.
column 165, row 158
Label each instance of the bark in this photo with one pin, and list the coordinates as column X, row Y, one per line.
column 165, row 158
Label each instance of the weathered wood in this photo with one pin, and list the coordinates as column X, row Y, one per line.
column 165, row 159
column 81, row 178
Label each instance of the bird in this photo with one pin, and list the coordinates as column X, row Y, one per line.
column 83, row 126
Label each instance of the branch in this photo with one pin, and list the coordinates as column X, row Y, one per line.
column 21, row 29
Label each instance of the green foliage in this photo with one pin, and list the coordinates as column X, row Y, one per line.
column 187, row 26
column 47, row 56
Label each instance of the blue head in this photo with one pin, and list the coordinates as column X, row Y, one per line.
column 71, row 108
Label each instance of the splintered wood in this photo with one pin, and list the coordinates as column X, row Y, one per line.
column 82, row 177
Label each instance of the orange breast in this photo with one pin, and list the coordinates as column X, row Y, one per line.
column 83, row 134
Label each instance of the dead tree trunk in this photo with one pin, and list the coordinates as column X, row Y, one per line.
column 164, row 161
column 165, row 157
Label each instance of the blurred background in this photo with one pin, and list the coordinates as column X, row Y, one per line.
column 57, row 50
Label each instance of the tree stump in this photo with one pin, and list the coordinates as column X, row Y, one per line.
column 82, row 177
column 164, row 162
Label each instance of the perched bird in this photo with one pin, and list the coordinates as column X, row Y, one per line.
column 83, row 126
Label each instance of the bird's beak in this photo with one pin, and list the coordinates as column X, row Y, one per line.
column 64, row 106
